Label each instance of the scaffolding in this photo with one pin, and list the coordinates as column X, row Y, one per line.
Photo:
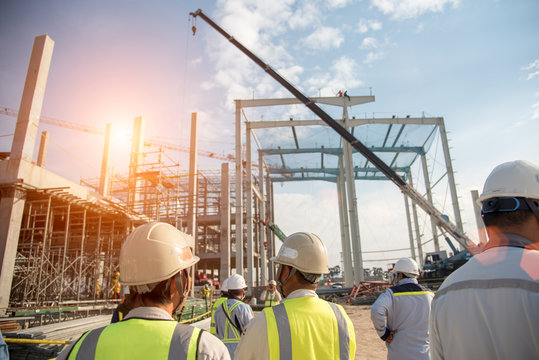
column 67, row 246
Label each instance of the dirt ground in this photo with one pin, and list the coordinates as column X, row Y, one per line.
column 368, row 343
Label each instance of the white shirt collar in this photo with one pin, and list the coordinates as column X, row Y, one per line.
column 301, row 293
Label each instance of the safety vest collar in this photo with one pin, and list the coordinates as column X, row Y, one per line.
column 183, row 344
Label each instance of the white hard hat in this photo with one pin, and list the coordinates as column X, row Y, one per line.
column 224, row 286
column 407, row 266
column 272, row 282
column 154, row 252
column 512, row 179
column 305, row 252
column 236, row 282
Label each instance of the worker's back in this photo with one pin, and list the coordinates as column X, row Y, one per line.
column 409, row 317
column 318, row 330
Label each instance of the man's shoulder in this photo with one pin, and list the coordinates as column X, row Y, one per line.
column 211, row 347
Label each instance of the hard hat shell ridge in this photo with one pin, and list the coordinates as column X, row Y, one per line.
column 154, row 252
column 305, row 252
column 407, row 266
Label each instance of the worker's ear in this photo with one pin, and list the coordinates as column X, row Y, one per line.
column 284, row 272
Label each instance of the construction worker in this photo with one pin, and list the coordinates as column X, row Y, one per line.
column 223, row 298
column 155, row 261
column 271, row 296
column 206, row 294
column 233, row 315
column 489, row 307
column 302, row 326
column 400, row 315
column 116, row 287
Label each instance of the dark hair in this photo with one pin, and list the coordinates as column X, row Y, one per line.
column 507, row 218
column 235, row 292
column 161, row 292
column 159, row 295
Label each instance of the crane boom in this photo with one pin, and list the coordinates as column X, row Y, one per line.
column 415, row 196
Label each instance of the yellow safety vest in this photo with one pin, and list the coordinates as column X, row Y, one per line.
column 270, row 299
column 232, row 336
column 309, row 328
column 219, row 301
column 138, row 339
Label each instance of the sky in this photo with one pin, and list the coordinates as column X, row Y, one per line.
column 474, row 63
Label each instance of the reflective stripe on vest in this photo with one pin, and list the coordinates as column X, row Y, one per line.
column 270, row 299
column 123, row 340
column 414, row 293
column 321, row 330
column 213, row 329
column 234, row 338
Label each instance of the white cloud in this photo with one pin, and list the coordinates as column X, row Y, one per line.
column 533, row 69
column 407, row 9
column 369, row 43
column 307, row 14
column 532, row 75
column 338, row 3
column 343, row 74
column 324, row 38
column 365, row 25
column 532, row 65
column 535, row 108
column 373, row 56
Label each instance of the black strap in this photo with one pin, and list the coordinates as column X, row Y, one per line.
column 235, row 324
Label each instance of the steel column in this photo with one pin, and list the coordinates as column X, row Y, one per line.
column 345, row 227
column 249, row 209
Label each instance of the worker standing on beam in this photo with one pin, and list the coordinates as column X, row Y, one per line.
column 489, row 307
column 271, row 296
column 302, row 326
column 155, row 261
column 215, row 306
column 233, row 315
column 400, row 315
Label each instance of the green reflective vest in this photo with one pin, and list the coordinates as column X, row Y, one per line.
column 139, row 339
column 270, row 299
column 232, row 335
column 309, row 328
column 219, row 301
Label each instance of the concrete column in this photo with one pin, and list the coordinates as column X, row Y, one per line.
column 104, row 179
column 24, row 138
column 345, row 227
column 429, row 198
column 193, row 180
column 137, row 148
column 479, row 219
column 224, row 268
column 359, row 276
column 249, row 208
column 262, row 216
column 416, row 225
column 193, row 183
column 450, row 176
column 43, row 146
column 239, row 194
column 408, row 221
column 270, row 237
column 12, row 201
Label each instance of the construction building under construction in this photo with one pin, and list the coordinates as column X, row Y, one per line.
column 60, row 241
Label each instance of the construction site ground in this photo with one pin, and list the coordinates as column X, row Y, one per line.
column 368, row 343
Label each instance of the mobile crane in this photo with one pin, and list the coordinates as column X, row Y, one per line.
column 414, row 195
